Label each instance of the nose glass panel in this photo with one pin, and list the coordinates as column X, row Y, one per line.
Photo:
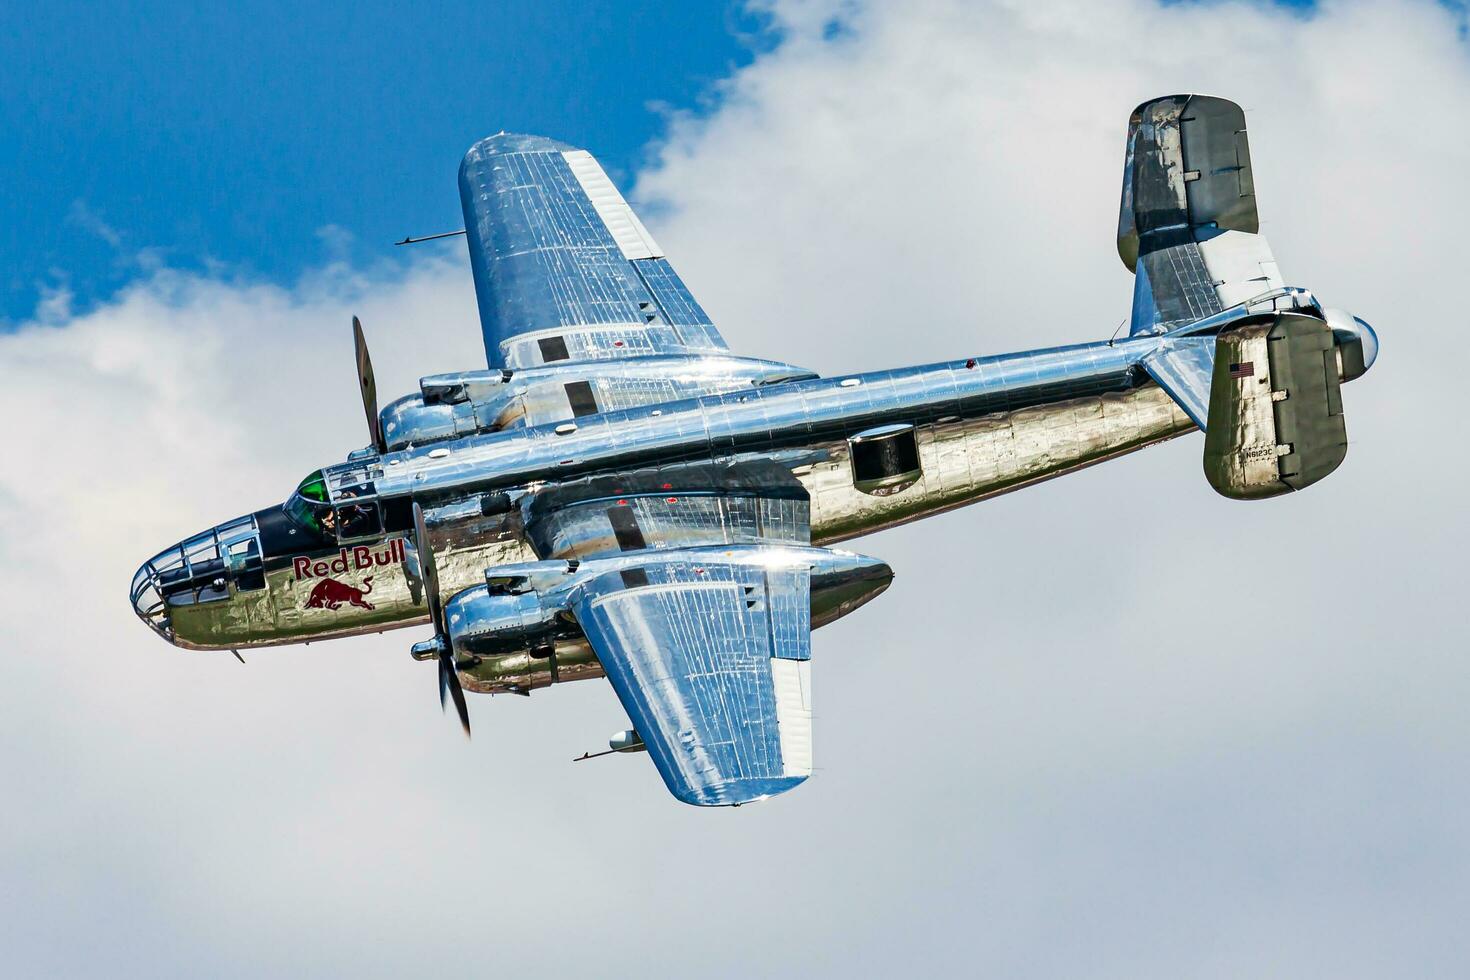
column 148, row 601
column 196, row 571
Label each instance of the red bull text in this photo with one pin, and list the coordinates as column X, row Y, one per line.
column 360, row 558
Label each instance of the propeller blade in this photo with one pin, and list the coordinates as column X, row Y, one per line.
column 429, row 572
column 368, row 385
column 456, row 691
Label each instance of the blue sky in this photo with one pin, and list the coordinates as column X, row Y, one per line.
column 254, row 134
column 236, row 132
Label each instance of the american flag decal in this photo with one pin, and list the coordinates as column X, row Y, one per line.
column 1245, row 369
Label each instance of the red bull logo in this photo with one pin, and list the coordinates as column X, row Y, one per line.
column 360, row 558
column 330, row 594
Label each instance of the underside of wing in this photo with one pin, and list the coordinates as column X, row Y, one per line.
column 703, row 622
column 563, row 268
column 711, row 660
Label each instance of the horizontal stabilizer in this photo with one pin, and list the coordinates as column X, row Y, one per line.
column 1184, row 368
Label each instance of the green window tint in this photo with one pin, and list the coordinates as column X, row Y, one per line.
column 308, row 506
column 314, row 487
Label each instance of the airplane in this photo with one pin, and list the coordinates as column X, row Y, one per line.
column 618, row 495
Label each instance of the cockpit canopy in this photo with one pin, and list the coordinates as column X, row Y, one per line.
column 309, row 505
column 358, row 514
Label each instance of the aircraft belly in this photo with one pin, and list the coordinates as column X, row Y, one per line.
column 967, row 460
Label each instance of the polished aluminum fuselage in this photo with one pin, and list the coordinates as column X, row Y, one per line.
column 983, row 426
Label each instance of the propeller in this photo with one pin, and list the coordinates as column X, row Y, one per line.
column 368, row 385
column 448, row 675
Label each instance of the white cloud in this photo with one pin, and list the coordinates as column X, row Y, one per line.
column 1085, row 732
column 84, row 217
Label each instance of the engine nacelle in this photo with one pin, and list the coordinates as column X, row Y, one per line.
column 514, row 633
column 452, row 405
column 414, row 421
column 482, row 625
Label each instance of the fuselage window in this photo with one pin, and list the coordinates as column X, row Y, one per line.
column 243, row 560
column 885, row 460
column 397, row 513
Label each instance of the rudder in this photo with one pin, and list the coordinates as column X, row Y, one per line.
column 1275, row 418
column 1187, row 222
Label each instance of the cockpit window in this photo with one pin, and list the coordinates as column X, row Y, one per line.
column 314, row 487
column 308, row 505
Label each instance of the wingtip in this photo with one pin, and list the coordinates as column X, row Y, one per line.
column 502, row 143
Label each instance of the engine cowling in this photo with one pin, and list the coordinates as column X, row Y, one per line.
column 413, row 421
column 514, row 634
column 483, row 625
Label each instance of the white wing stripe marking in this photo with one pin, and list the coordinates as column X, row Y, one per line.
column 632, row 238
column 793, row 683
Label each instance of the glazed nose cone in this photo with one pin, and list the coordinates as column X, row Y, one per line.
column 150, row 584
column 196, row 570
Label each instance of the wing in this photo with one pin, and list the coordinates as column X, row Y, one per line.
column 563, row 268
column 1187, row 225
column 704, row 629
column 711, row 660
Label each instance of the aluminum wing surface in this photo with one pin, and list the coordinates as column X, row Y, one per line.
column 711, row 660
column 564, row 270
column 704, row 627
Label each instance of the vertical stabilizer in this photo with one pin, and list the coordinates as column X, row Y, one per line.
column 1275, row 419
column 1187, row 223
